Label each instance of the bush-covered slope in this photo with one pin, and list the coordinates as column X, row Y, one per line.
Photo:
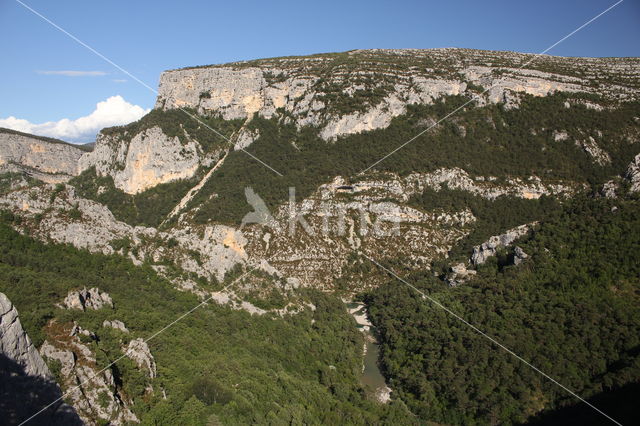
column 489, row 140
column 572, row 310
column 216, row 364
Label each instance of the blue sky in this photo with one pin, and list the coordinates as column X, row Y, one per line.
column 147, row 37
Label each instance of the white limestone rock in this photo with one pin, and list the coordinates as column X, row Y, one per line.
column 484, row 251
column 633, row 174
column 115, row 324
column 519, row 256
column 609, row 189
column 48, row 158
column 139, row 352
column 15, row 344
column 148, row 159
column 459, row 274
column 87, row 299
column 598, row 155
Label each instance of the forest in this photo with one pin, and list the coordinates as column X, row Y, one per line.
column 218, row 365
column 572, row 310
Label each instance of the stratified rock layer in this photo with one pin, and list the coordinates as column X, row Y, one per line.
column 46, row 159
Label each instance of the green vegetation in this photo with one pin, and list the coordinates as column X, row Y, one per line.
column 147, row 208
column 13, row 180
column 216, row 364
column 572, row 310
column 184, row 124
column 495, row 143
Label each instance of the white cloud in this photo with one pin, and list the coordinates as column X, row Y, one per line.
column 114, row 111
column 119, row 80
column 71, row 73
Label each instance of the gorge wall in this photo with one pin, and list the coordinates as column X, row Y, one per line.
column 46, row 159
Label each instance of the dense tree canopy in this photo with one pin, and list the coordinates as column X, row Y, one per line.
column 572, row 310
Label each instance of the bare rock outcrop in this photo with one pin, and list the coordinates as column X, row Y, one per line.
column 490, row 247
column 633, row 174
column 598, row 155
column 459, row 274
column 92, row 390
column 148, row 159
column 87, row 299
column 15, row 344
column 519, row 256
column 609, row 189
column 115, row 324
column 43, row 158
column 139, row 352
column 27, row 387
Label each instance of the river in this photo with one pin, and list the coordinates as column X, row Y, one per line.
column 371, row 379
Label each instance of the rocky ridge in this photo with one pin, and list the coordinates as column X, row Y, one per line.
column 45, row 159
column 301, row 86
column 490, row 247
column 209, row 251
column 34, row 383
column 91, row 390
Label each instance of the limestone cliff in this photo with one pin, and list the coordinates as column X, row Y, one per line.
column 15, row 344
column 149, row 158
column 308, row 90
column 46, row 159
column 26, row 384
column 339, row 94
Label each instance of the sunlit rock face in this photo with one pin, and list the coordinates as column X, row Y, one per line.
column 306, row 89
column 148, row 159
column 48, row 160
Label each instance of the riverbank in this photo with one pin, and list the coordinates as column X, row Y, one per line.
column 371, row 379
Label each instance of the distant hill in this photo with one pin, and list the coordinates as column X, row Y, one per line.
column 43, row 158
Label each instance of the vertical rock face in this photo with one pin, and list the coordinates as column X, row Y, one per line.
column 47, row 156
column 148, row 159
column 26, row 384
column 633, row 174
column 15, row 344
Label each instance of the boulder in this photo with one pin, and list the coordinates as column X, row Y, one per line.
column 87, row 299
column 117, row 324
column 459, row 274
column 489, row 248
column 519, row 256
